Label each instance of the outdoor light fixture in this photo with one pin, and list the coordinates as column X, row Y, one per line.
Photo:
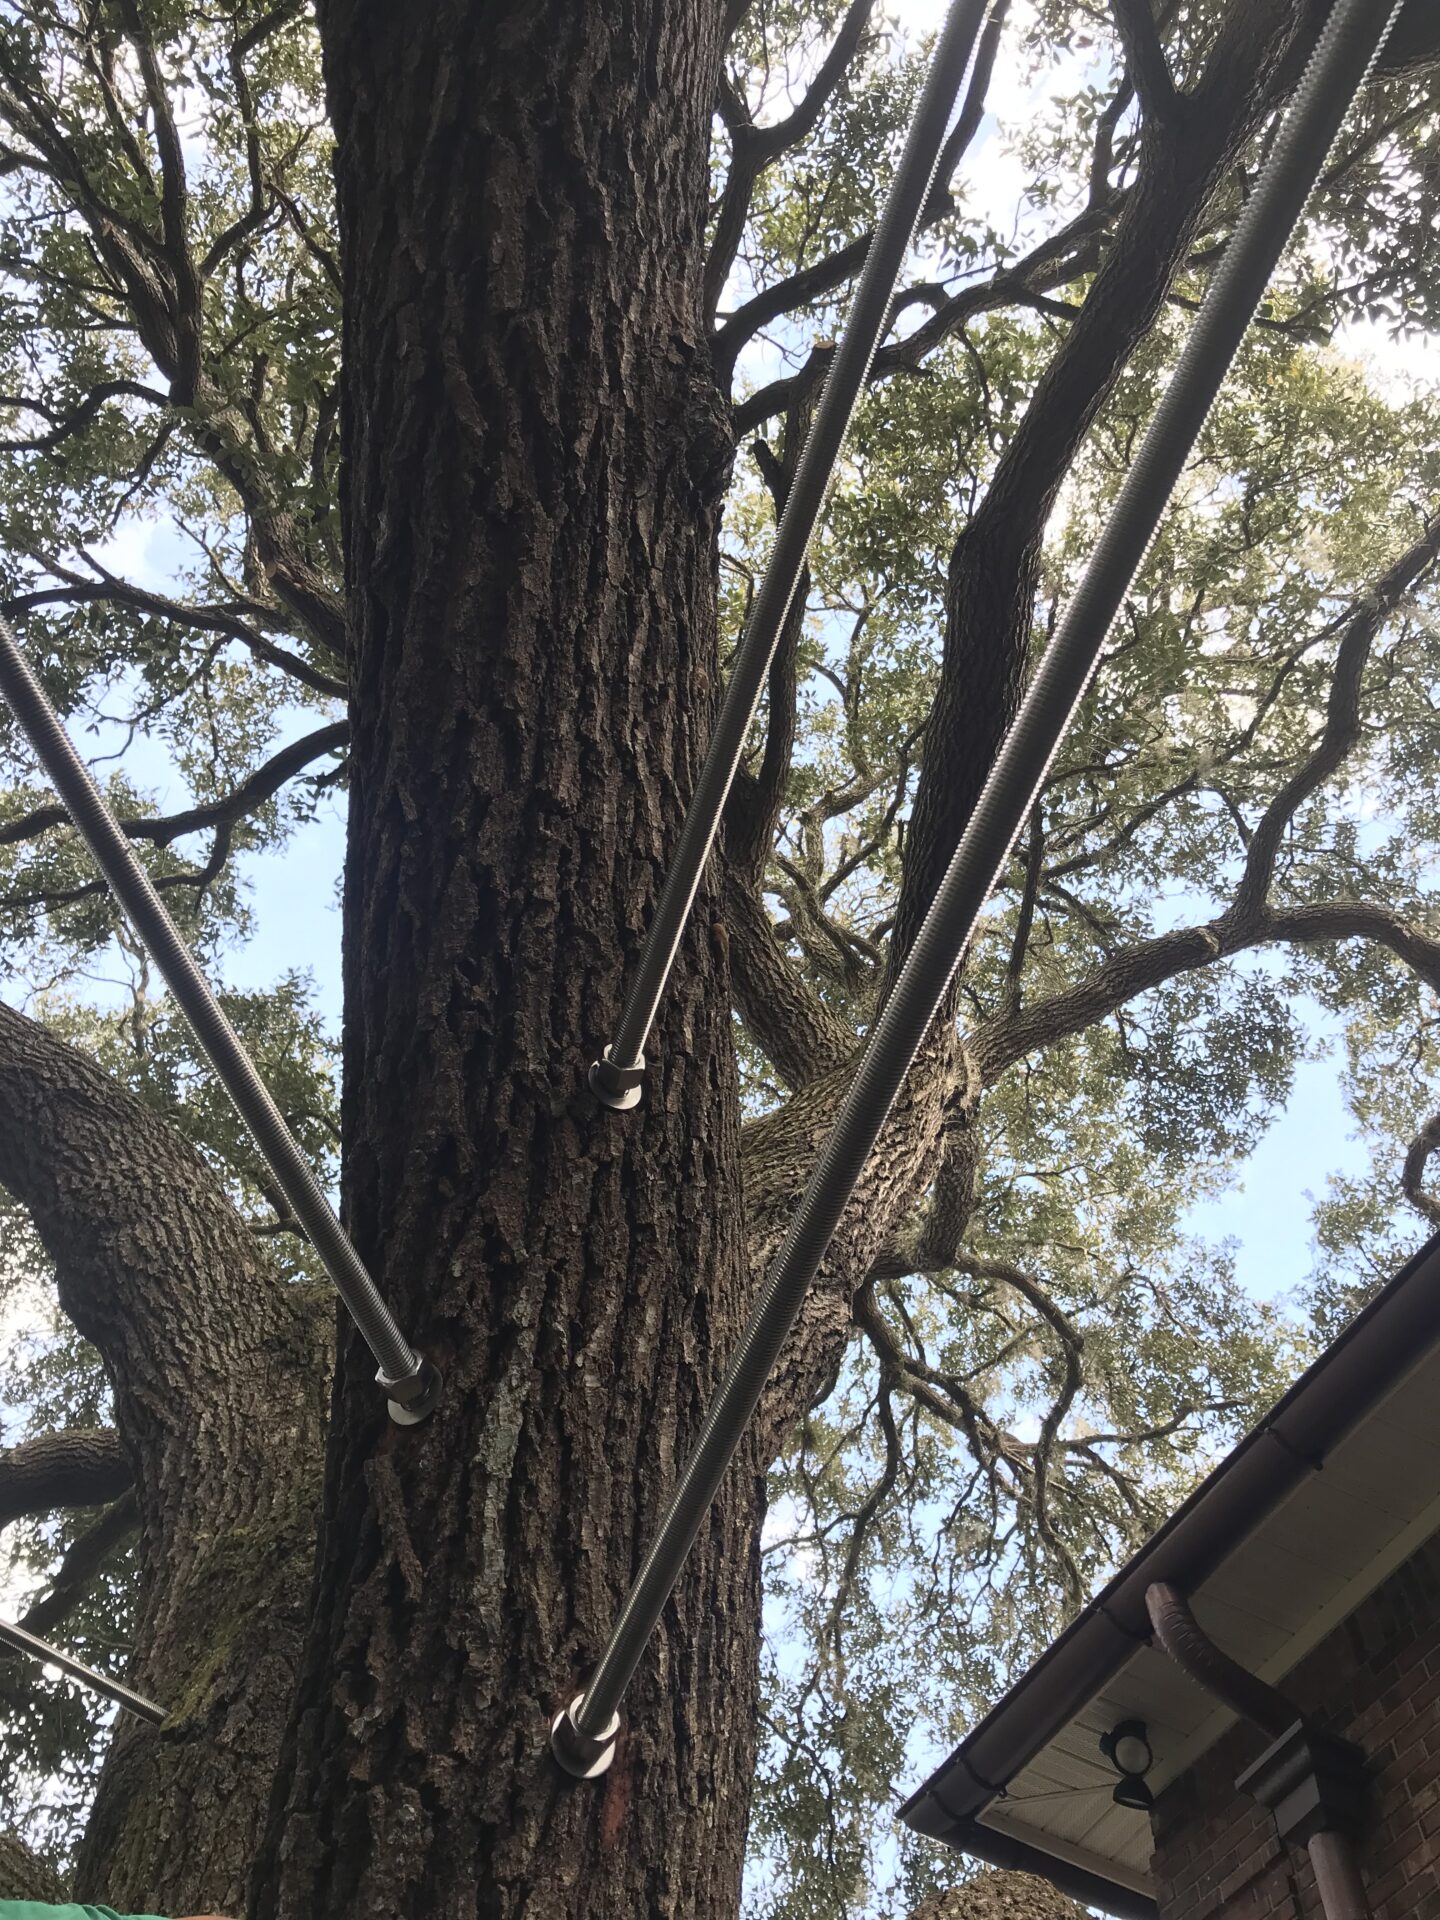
column 1127, row 1748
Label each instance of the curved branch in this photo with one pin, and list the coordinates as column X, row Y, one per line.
column 1052, row 263
column 110, row 589
column 1250, row 920
column 160, row 285
column 160, row 831
column 755, row 148
column 999, row 1043
column 62, row 426
column 942, row 1394
column 200, row 879
column 1332, row 920
column 772, row 142
column 1342, row 717
column 931, row 1245
column 227, row 621
column 79, row 1468
column 83, row 1564
column 786, row 1018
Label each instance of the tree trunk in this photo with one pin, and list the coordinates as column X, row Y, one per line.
column 535, row 458
column 219, row 1377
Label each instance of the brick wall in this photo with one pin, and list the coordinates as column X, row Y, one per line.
column 1376, row 1680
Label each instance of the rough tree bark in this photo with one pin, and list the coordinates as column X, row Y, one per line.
column 1000, row 1896
column 80, row 1468
column 219, row 1377
column 535, row 455
column 22, row 1875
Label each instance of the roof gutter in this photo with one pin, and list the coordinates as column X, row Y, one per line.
column 1374, row 1352
column 998, row 1849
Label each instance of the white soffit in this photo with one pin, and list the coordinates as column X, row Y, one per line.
column 1300, row 1571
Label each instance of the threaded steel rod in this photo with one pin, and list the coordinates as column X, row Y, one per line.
column 408, row 1380
column 35, row 1648
column 616, row 1077
column 1337, row 69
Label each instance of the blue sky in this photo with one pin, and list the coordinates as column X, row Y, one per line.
column 297, row 923
column 1267, row 1210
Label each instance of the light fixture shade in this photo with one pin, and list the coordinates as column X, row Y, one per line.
column 1127, row 1748
column 1133, row 1792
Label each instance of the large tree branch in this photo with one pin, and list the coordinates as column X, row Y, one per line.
column 753, row 809
column 1342, row 717
column 220, row 1380
column 1412, row 1173
column 1251, row 920
column 81, row 1468
column 174, row 207
column 773, row 141
column 83, row 1564
column 777, row 1155
column 992, row 1894
column 1145, row 57
column 786, row 1018
column 755, row 148
column 155, row 1267
column 931, row 1243
column 999, row 1043
column 220, row 1376
column 24, row 1875
column 994, row 567
column 1335, row 920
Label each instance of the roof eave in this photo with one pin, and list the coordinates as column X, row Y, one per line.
column 1018, row 1856
column 1379, row 1346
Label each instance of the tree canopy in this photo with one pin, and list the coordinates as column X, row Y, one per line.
column 1232, row 868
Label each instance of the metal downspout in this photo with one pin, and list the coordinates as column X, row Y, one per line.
column 1337, row 1876
column 1307, row 1780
